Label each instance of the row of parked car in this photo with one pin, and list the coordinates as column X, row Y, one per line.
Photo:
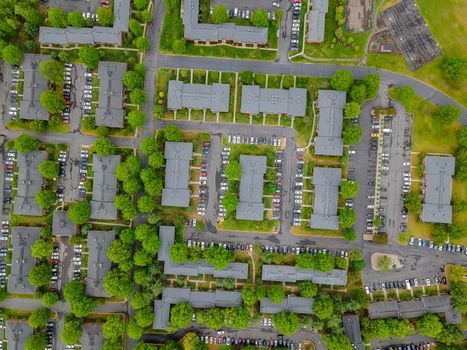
column 10, row 158
column 49, row 332
column 83, row 172
column 224, row 181
column 13, row 110
column 277, row 196
column 406, row 284
column 298, row 187
column 87, row 92
column 77, row 254
column 203, row 177
column 296, row 24
column 447, row 247
column 270, row 343
column 413, row 346
column 67, row 92
column 255, row 140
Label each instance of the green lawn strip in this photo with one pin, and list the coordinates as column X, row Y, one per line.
column 182, row 114
column 197, row 115
column 242, row 118
column 226, row 117
column 211, row 117
column 247, row 225
column 307, row 198
column 213, row 77
column 260, row 79
column 272, row 119
column 256, row 150
column 199, row 77
column 22, row 124
column 274, row 81
column 184, row 75
column 257, row 119
column 304, row 230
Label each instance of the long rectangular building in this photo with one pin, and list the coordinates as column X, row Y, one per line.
column 178, row 156
column 90, row 36
column 353, row 331
column 325, row 198
column 22, row 261
column 29, row 183
column 17, row 332
column 214, row 97
column 250, row 201
column 98, row 262
column 438, row 187
column 291, row 102
column 317, row 21
column 34, row 85
column 197, row 299
column 291, row 303
column 214, row 33
column 110, row 111
column 104, row 187
column 291, row 274
column 331, row 106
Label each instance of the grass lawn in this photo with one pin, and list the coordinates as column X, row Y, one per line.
column 22, row 124
column 304, row 230
column 447, row 21
column 231, row 224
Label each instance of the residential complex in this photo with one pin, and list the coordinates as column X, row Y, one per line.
column 292, row 274
column 17, row 332
column 62, row 226
column 291, row 303
column 92, row 337
column 353, row 332
column 317, row 21
column 215, row 97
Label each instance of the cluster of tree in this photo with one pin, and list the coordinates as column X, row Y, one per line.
column 454, row 68
column 346, row 217
column 45, row 199
column 60, row 19
column 307, row 289
column 36, row 341
column 321, row 261
column 79, row 212
column 180, row 253
column 413, row 202
column 150, row 245
column 52, row 101
column 117, row 283
column 39, row 318
column 385, row 328
column 447, row 114
column 230, row 202
column 286, row 322
column 232, row 170
column 113, row 330
column 352, row 109
column 127, row 207
column 218, row 256
column 148, row 279
column 339, row 32
column 103, row 146
column 349, row 189
column 357, row 263
column 128, row 172
column 441, row 233
column 323, row 306
column 80, row 304
column 26, row 143
column 71, row 331
column 461, row 155
column 90, row 56
column 352, row 134
column 251, row 294
column 40, row 275
column 337, row 341
column 52, row 70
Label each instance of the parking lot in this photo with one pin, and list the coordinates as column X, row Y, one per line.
column 243, row 5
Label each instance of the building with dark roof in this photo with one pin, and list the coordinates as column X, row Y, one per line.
column 291, row 303
column 110, row 111
column 90, row 36
column 167, row 238
column 98, row 262
column 250, row 201
column 62, row 226
column 291, row 102
column 17, row 332
column 29, row 183
column 291, row 274
column 325, row 198
column 199, row 300
column 216, row 33
column 22, row 261
column 415, row 308
column 437, row 189
column 317, row 21
column 331, row 106
column 215, row 97
column 34, row 85
column 92, row 337
column 178, row 156
column 104, row 187
column 353, row 331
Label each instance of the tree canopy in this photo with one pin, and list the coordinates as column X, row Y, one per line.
column 26, row 143
column 349, row 189
column 413, row 202
column 103, row 146
column 307, row 289
column 172, row 133
column 45, row 199
column 52, row 101
column 371, row 82
column 71, row 332
column 36, row 341
column 346, row 217
column 106, row 16
column 142, row 43
column 218, row 256
column 305, row 261
column 133, row 80
column 39, row 318
column 40, row 275
column 232, row 170
column 219, row 15
column 352, row 110
column 352, row 134
column 286, row 322
column 52, row 70
column 358, row 93
column 79, row 212
column 76, row 19
column 118, row 284
column 113, row 327
column 181, row 315
column 89, row 56
column 259, row 18
column 448, row 113
column 324, row 262
column 41, row 249
column 49, row 169
column 454, row 68
column 276, row 293
column 230, row 202
column 323, row 306
column 214, row 318
column 49, row 299
column 342, row 80
column 12, row 54
column 57, row 18
column 249, row 295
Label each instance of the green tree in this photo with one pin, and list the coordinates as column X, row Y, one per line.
column 142, row 43
column 40, row 275
column 139, row 300
column 89, row 123
column 142, row 258
column 146, row 204
column 71, row 332
column 52, row 70
column 230, row 202
column 404, row 94
column 307, row 289
column 448, row 113
column 430, row 325
column 45, row 199
column 156, row 160
column 106, row 16
column 113, row 327
column 136, row 119
column 456, row 231
column 350, row 234
column 305, row 261
column 462, row 136
column 103, row 146
column 324, row 262
column 140, row 4
column 413, row 202
column 79, row 212
column 41, row 249
column 118, row 284
column 48, row 169
column 219, row 15
column 129, row 169
column 76, row 19
column 342, row 80
column 451, row 335
column 371, row 82
column 49, row 299
column 172, row 133
column 133, row 80
column 352, row 110
column 138, row 96
column 179, row 252
column 286, row 322
column 89, row 56
column 337, row 341
column 26, row 143
column 52, row 101
column 135, row 27
column 148, row 146
column 39, row 126
column 181, row 315
column 440, row 234
column 454, row 68
column 249, row 295
column 458, row 273
column 134, row 331
column 36, row 341
column 38, row 318
column 346, row 217
column 358, row 93
column 276, row 293
column 12, row 54
column 119, row 251
column 459, row 296
column 233, row 171
column 352, row 134
column 237, row 317
column 323, row 306
column 349, row 189
column 214, row 318
column 132, row 186
column 246, row 77
column 259, row 18
column 57, row 18
column 218, row 257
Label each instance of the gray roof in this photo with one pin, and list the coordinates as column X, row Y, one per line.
column 34, row 86
column 167, row 238
column 90, row 36
column 214, row 97
column 92, row 337
column 62, row 226
column 177, row 174
column 250, row 206
column 415, row 308
column 353, row 332
column 197, row 299
column 316, row 25
column 216, row 32
column 98, row 262
column 320, row 5
column 17, row 332
column 29, row 183
column 104, row 187
column 22, row 261
column 325, row 198
column 284, row 273
column 329, row 140
column 110, row 110
column 258, row 100
column 438, row 186
column 291, row 303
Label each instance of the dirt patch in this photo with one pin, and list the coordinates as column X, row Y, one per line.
column 358, row 15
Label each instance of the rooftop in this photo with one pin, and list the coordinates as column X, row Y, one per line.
column 353, row 331
column 62, row 226
column 291, row 303
column 92, row 337
column 17, row 332
column 284, row 273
